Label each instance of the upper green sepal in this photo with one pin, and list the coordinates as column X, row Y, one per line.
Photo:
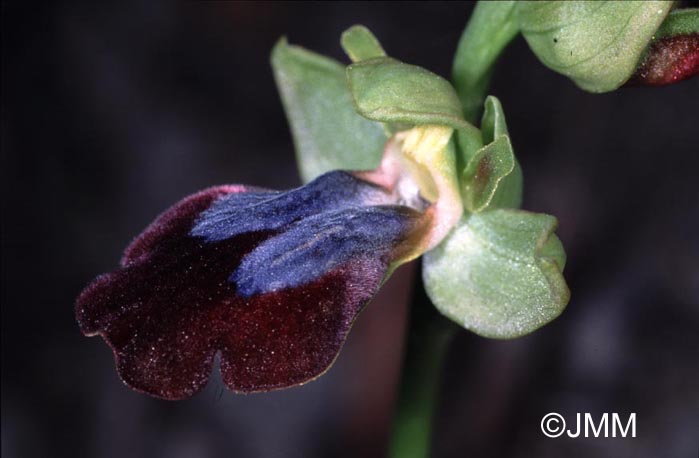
column 499, row 273
column 492, row 177
column 327, row 131
column 360, row 44
column 597, row 44
column 389, row 91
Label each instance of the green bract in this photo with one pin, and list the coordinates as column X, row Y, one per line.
column 597, row 44
column 499, row 273
column 328, row 133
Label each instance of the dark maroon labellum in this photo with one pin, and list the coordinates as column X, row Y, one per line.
column 270, row 280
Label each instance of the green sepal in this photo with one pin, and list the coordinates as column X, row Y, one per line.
column 360, row 44
column 683, row 21
column 327, row 131
column 597, row 44
column 492, row 177
column 499, row 273
column 389, row 91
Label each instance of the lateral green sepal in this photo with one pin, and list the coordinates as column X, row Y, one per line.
column 499, row 273
column 327, row 131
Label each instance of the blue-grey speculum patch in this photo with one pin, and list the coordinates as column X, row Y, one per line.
column 316, row 228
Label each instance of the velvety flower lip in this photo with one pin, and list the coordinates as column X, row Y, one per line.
column 270, row 280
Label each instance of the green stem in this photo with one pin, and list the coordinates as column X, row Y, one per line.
column 427, row 340
column 490, row 29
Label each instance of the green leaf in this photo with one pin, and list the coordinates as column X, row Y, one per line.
column 499, row 273
column 390, row 91
column 328, row 133
column 360, row 44
column 597, row 44
column 492, row 177
column 491, row 27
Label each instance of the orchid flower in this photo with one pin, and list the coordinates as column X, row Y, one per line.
column 273, row 280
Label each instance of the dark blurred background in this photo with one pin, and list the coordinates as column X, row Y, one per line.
column 110, row 113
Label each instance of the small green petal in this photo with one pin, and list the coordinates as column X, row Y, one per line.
column 499, row 273
column 485, row 171
column 492, row 177
column 360, row 44
column 328, row 133
column 597, row 44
